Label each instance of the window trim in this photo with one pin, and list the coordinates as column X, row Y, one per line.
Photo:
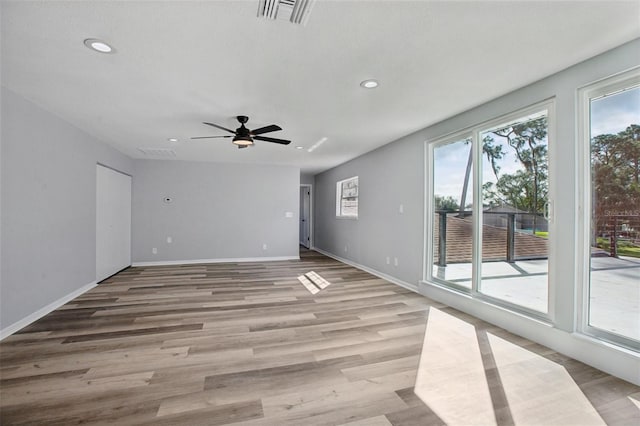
column 427, row 271
column 606, row 86
column 474, row 132
column 339, row 198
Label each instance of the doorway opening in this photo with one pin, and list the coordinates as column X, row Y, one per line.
column 306, row 216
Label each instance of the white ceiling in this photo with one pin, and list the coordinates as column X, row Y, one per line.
column 179, row 63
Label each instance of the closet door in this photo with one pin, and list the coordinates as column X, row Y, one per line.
column 113, row 222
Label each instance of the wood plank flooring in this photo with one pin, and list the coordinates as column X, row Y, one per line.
column 216, row 344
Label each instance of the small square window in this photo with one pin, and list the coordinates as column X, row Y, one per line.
column 347, row 198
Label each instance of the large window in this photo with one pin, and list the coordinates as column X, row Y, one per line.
column 452, row 201
column 515, row 198
column 347, row 198
column 489, row 198
column 611, row 166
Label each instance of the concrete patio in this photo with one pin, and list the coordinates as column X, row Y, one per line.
column 615, row 288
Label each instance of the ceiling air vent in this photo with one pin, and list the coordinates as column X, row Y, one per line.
column 158, row 152
column 296, row 11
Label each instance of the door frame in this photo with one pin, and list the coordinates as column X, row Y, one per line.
column 475, row 132
column 310, row 188
column 130, row 219
column 607, row 86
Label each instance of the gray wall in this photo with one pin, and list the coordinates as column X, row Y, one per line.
column 394, row 174
column 219, row 211
column 306, row 179
column 48, row 185
column 387, row 177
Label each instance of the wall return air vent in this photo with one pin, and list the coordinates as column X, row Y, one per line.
column 296, row 11
column 158, row 152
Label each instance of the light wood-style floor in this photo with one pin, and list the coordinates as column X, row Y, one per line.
column 248, row 344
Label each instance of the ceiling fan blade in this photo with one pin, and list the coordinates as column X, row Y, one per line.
column 266, row 129
column 266, row 139
column 210, row 137
column 219, row 127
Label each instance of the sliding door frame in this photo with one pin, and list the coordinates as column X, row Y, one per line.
column 604, row 87
column 474, row 133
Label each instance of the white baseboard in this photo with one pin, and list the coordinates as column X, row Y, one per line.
column 224, row 260
column 9, row 330
column 379, row 274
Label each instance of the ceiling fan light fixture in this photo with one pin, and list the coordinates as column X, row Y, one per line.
column 242, row 140
column 98, row 45
column 243, row 137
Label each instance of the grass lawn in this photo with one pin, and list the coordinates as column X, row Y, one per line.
column 625, row 248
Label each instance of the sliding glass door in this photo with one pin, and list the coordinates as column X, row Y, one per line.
column 452, row 202
column 515, row 199
column 612, row 134
column 488, row 222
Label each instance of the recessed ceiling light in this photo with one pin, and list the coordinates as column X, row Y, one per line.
column 172, row 140
column 299, row 147
column 98, row 45
column 369, row 84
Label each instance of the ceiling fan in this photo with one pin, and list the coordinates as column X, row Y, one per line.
column 244, row 137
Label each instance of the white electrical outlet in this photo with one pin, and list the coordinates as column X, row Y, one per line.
column 346, row 249
column 264, row 246
column 401, row 208
column 395, row 261
column 169, row 240
column 154, row 250
column 388, row 260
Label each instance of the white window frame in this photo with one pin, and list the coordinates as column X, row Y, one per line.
column 340, row 197
column 607, row 86
column 430, row 207
column 474, row 133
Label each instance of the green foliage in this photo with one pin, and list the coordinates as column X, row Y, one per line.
column 623, row 247
column 493, row 153
column 518, row 190
column 615, row 167
column 525, row 189
column 446, row 203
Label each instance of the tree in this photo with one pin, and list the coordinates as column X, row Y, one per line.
column 526, row 189
column 493, row 153
column 446, row 203
column 615, row 174
column 518, row 190
column 525, row 138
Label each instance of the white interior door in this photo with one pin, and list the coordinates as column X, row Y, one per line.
column 113, row 222
column 305, row 216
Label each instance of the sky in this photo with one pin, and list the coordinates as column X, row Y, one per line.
column 614, row 113
column 451, row 163
column 610, row 114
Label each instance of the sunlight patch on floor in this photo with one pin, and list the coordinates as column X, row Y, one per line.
column 451, row 378
column 313, row 282
column 635, row 401
column 308, row 284
column 538, row 390
column 470, row 376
